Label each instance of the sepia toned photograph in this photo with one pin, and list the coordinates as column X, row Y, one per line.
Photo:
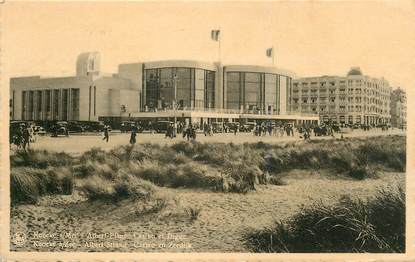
column 206, row 127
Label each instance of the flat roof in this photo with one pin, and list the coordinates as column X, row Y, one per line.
column 259, row 69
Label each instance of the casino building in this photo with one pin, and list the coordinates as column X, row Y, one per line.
column 188, row 90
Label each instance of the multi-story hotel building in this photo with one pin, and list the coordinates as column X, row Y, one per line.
column 350, row 99
column 192, row 90
column 398, row 108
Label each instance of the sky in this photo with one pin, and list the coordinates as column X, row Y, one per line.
column 310, row 38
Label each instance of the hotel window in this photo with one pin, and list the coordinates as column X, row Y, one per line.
column 253, row 90
column 234, row 90
column 271, row 92
column 152, row 88
column 48, row 100
column 56, row 104
column 75, row 103
column 210, row 89
column 199, row 89
column 24, row 106
column 95, row 100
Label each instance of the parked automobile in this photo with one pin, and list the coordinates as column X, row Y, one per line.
column 60, row 128
column 248, row 127
column 127, row 126
column 76, row 127
column 94, row 126
column 161, row 126
column 217, row 127
column 232, row 126
column 39, row 131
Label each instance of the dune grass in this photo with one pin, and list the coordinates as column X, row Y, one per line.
column 377, row 225
column 27, row 184
column 214, row 166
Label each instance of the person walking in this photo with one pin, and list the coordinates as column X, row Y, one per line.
column 133, row 136
column 26, row 138
column 106, row 133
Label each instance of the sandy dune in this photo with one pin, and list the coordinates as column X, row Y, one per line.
column 222, row 220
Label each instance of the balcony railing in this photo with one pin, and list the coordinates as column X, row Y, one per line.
column 227, row 111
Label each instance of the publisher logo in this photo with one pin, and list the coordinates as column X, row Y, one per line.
column 19, row 239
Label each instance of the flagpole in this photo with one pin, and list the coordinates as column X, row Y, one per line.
column 273, row 51
column 219, row 37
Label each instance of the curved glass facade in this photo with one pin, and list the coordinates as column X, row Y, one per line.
column 195, row 88
column 254, row 92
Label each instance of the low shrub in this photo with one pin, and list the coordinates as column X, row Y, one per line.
column 193, row 213
column 90, row 168
column 40, row 159
column 377, row 225
column 124, row 186
column 239, row 178
column 183, row 175
column 27, row 184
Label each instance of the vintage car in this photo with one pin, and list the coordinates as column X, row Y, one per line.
column 60, row 128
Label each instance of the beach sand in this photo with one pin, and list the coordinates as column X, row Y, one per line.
column 219, row 227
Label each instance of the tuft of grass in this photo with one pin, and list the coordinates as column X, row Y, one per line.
column 215, row 166
column 27, row 184
column 40, row 159
column 193, row 212
column 377, row 225
column 124, row 186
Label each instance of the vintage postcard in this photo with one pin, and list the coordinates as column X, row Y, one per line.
column 207, row 130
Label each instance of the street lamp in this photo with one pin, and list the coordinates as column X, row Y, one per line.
column 175, row 104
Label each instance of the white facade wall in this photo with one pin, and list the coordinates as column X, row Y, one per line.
column 350, row 99
column 94, row 96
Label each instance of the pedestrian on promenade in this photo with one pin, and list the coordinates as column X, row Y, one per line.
column 106, row 133
column 133, row 136
column 26, row 138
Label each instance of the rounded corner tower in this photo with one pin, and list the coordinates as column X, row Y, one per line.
column 88, row 64
column 355, row 71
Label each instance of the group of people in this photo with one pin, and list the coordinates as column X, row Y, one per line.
column 22, row 136
column 262, row 130
column 208, row 129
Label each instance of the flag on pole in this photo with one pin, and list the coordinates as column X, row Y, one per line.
column 215, row 35
column 269, row 52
